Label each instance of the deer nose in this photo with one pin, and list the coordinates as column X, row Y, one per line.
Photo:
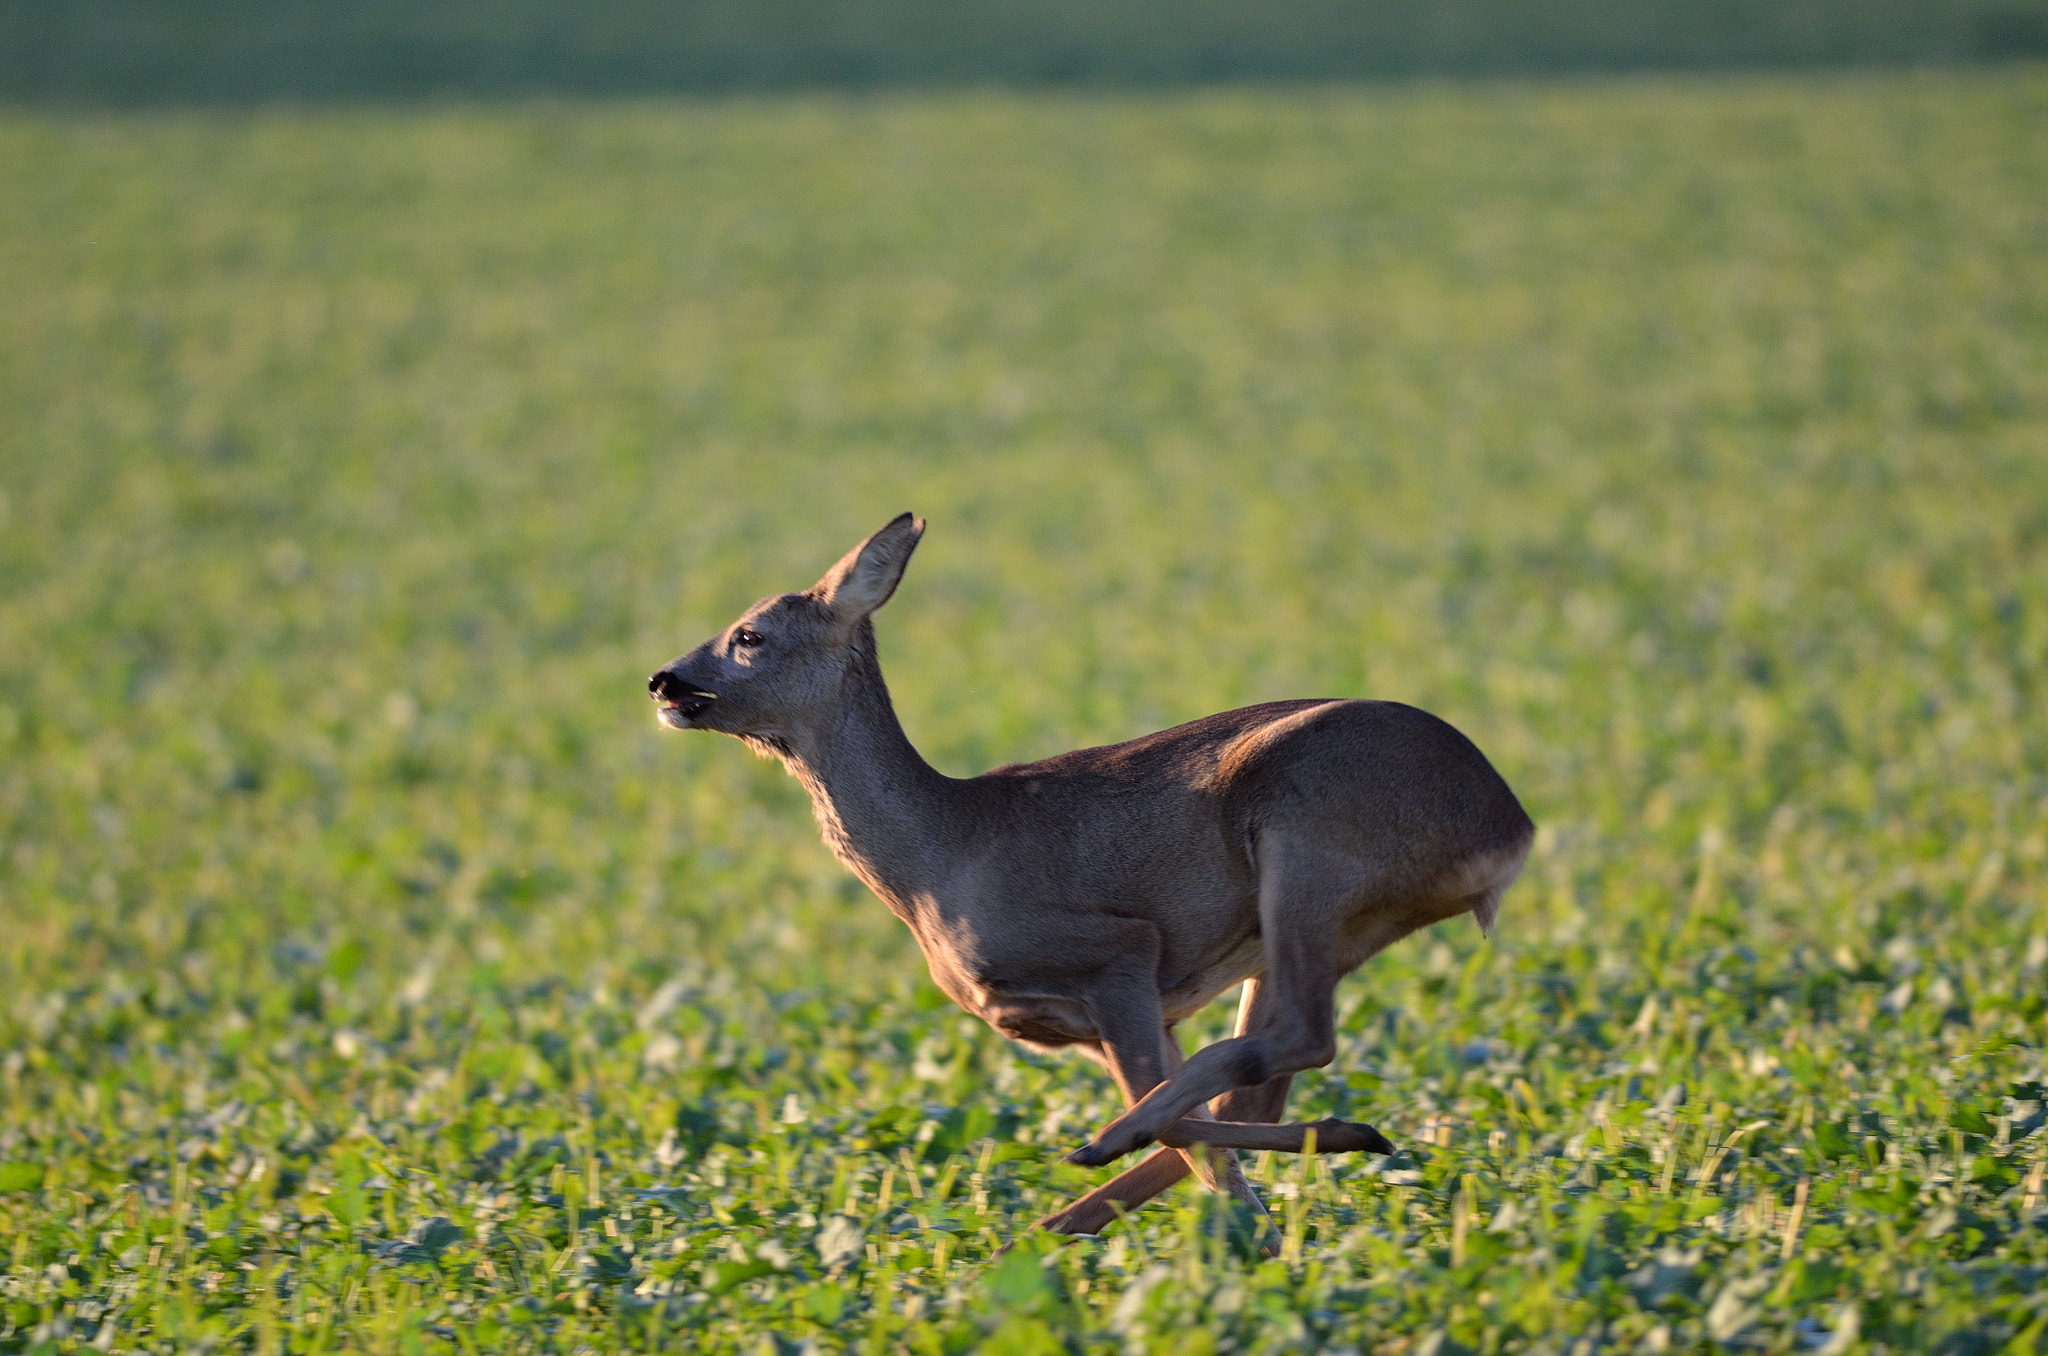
column 675, row 694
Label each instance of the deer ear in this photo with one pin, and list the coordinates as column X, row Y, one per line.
column 865, row 576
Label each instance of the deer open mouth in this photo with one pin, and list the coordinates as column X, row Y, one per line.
column 679, row 702
column 680, row 715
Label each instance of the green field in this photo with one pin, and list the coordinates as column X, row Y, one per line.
column 228, row 52
column 376, row 976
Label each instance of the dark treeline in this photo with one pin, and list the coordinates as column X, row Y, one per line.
column 228, row 51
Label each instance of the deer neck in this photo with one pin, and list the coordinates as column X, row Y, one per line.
column 884, row 811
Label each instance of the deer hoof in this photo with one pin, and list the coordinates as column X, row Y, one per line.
column 1102, row 1151
column 1348, row 1137
column 1091, row 1156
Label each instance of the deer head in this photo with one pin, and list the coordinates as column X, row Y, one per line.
column 779, row 669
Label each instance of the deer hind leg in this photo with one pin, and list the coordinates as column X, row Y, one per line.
column 1166, row 1166
column 1307, row 898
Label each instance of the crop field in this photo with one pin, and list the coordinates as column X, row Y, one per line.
column 376, row 976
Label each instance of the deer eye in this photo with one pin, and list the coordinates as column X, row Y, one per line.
column 747, row 636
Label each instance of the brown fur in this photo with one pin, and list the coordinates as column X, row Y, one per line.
column 1096, row 898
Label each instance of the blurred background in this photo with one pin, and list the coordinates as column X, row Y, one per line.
column 1657, row 391
column 214, row 51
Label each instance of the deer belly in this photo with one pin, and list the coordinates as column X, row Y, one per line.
column 1039, row 1020
column 1194, row 993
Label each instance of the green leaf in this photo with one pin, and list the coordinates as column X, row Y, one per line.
column 1815, row 1280
column 424, row 1242
column 1993, row 1174
column 346, row 960
column 1021, row 1336
column 1017, row 1280
column 892, row 1126
column 350, row 1170
column 726, row 1275
column 436, row 1235
column 1972, row 1121
column 961, row 1127
column 21, row 1176
column 1484, row 1249
column 825, row 1302
column 1833, row 1139
column 350, row 1205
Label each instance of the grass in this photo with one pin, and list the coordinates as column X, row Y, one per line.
column 377, row 977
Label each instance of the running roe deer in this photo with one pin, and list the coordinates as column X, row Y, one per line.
column 1097, row 898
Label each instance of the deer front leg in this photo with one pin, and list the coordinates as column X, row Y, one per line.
column 1303, row 908
column 1277, row 1049
column 1246, row 1118
column 1124, row 1015
column 1217, row 1169
column 1096, row 1211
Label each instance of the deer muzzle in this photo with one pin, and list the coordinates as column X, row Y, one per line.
column 680, row 702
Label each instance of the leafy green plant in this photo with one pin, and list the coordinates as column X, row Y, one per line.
column 375, row 976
